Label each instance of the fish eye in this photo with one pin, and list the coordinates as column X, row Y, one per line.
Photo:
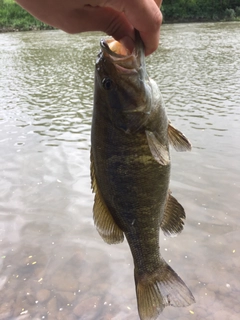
column 107, row 83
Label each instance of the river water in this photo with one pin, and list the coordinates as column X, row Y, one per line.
column 54, row 265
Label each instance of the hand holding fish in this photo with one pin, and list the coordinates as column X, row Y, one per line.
column 117, row 18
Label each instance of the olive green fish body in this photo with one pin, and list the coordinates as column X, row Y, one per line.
column 130, row 170
column 133, row 185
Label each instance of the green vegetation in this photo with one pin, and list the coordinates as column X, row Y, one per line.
column 14, row 18
column 200, row 10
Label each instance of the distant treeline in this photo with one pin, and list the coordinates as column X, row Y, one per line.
column 13, row 17
column 201, row 10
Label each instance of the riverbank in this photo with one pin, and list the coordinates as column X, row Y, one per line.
column 14, row 18
column 25, row 28
column 43, row 26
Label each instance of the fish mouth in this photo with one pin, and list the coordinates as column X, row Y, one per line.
column 131, row 65
column 125, row 62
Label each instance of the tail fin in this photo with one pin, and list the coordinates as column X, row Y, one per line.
column 160, row 289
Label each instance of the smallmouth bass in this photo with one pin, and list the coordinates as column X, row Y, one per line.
column 130, row 172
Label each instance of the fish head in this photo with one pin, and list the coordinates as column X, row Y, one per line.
column 123, row 84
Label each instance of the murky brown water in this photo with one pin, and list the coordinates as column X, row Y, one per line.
column 53, row 263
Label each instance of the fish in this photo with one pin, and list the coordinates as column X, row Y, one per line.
column 130, row 172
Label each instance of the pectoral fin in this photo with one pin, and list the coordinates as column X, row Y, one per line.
column 174, row 215
column 177, row 139
column 103, row 220
column 159, row 152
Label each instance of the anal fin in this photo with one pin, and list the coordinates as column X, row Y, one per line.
column 174, row 214
column 177, row 139
column 103, row 220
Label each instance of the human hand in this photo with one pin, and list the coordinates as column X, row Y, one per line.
column 117, row 18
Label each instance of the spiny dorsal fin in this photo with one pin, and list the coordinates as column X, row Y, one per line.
column 160, row 289
column 103, row 220
column 159, row 152
column 177, row 139
column 173, row 217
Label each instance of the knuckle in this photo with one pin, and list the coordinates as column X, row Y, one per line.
column 157, row 20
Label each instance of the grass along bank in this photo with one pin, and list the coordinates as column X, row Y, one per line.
column 15, row 18
column 200, row 10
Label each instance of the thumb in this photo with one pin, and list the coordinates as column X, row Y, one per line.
column 108, row 20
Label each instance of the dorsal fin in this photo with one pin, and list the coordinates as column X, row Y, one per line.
column 174, row 214
column 103, row 220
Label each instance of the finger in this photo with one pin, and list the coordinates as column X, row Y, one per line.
column 107, row 20
column 73, row 17
column 159, row 3
column 145, row 16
